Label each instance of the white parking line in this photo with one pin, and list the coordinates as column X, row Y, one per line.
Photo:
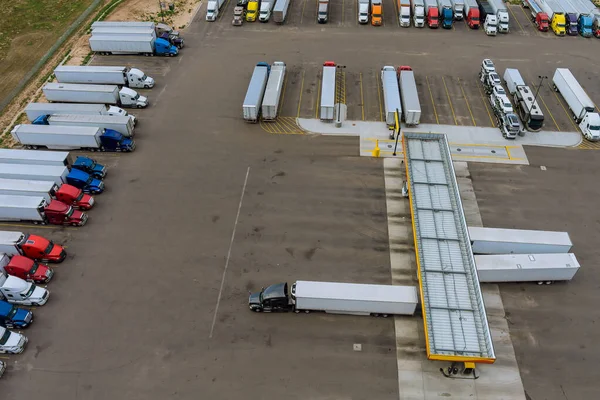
column 212, row 327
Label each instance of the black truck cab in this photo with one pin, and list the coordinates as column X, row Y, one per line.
column 274, row 298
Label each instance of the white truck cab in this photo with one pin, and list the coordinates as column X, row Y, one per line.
column 265, row 11
column 12, row 343
column 491, row 25
column 212, row 11
column 139, row 79
column 17, row 291
column 132, row 98
column 363, row 12
column 118, row 111
column 590, row 126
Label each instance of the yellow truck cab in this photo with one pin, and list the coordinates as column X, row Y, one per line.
column 558, row 24
column 252, row 11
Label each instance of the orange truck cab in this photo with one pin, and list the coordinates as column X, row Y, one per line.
column 376, row 13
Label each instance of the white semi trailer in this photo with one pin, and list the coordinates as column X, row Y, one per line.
column 336, row 298
column 526, row 267
column 391, row 94
column 518, row 241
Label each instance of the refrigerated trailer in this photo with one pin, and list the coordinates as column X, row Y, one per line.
column 132, row 44
column 31, row 157
column 104, row 94
column 518, row 241
column 254, row 95
column 103, row 75
column 270, row 103
column 391, row 94
column 280, row 11
column 123, row 125
column 526, row 267
column 18, row 187
column 336, row 298
column 411, row 107
column 328, row 90
column 52, row 173
column 34, row 110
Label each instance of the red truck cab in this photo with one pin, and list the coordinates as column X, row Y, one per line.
column 541, row 21
column 71, row 195
column 42, row 249
column 59, row 213
column 29, row 270
column 433, row 17
column 473, row 18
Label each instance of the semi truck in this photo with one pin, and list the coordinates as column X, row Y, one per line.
column 132, row 44
column 120, row 31
column 252, row 11
column 212, row 9
column 123, row 125
column 71, row 138
column 270, row 103
column 540, row 268
column 280, row 11
column 33, row 246
column 254, row 95
column 11, row 343
column 458, row 7
column 363, row 11
column 556, row 15
column 432, row 14
column 322, row 11
column 485, row 9
column 391, row 95
column 266, row 7
column 418, row 13
column 472, row 14
column 48, row 190
column 404, row 13
column 446, row 15
column 571, row 15
column 518, row 241
column 581, row 106
column 587, row 13
column 161, row 30
column 17, row 291
column 538, row 16
column 411, row 107
column 376, row 13
column 58, row 175
column 25, row 268
column 57, row 158
column 104, row 94
column 34, row 110
column 499, row 8
column 336, row 298
column 328, row 90
column 524, row 99
column 35, row 209
column 122, row 76
column 12, row 316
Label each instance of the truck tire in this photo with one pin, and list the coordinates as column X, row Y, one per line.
column 256, row 310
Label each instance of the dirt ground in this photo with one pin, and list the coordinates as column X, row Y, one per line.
column 134, row 10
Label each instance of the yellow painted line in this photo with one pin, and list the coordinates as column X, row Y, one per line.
column 379, row 97
column 224, row 7
column 397, row 12
column 5, row 357
column 432, row 102
column 467, row 101
column 528, row 16
column 450, row 101
column 362, row 99
column 548, row 110
column 515, row 18
column 36, row 226
column 302, row 15
column 301, row 90
column 285, row 79
column 486, row 105
column 318, row 99
column 564, row 109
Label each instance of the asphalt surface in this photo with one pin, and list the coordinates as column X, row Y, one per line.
column 152, row 302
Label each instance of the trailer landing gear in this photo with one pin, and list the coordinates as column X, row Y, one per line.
column 458, row 370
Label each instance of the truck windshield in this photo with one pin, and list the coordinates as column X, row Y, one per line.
column 89, row 180
column 144, row 77
column 29, row 291
column 377, row 15
column 11, row 314
column 49, row 248
column 70, row 212
column 137, row 96
column 34, row 268
column 5, row 337
column 594, row 128
column 79, row 197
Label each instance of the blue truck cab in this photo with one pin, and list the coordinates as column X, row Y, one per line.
column 14, row 317
column 447, row 18
column 115, row 141
column 584, row 25
column 85, row 182
column 90, row 166
column 163, row 47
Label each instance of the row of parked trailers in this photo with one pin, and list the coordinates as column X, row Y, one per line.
column 400, row 96
column 565, row 17
column 264, row 92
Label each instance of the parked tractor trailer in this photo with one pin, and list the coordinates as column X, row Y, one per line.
column 270, row 103
column 411, row 106
column 103, row 94
column 336, row 298
column 34, row 110
column 251, row 107
column 391, row 95
column 540, row 268
column 37, row 210
column 132, row 44
column 123, row 125
column 328, row 91
column 103, row 75
column 518, row 241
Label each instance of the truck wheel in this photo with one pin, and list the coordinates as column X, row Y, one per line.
column 35, row 304
column 256, row 310
column 146, row 87
column 139, row 106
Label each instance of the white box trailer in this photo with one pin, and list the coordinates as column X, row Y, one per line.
column 123, row 44
column 58, row 137
column 270, row 103
column 35, row 110
column 123, row 125
column 103, row 75
column 513, row 79
column 52, row 173
column 411, row 106
column 391, row 94
column 518, row 241
column 106, row 94
column 17, row 187
column 577, row 99
column 526, row 267
column 280, row 11
column 256, row 90
column 124, row 30
column 138, row 24
column 328, row 89
column 32, row 157
column 22, row 208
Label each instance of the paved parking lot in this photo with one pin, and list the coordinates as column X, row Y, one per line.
column 152, row 301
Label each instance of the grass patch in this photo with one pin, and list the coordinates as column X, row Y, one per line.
column 87, row 58
column 103, row 13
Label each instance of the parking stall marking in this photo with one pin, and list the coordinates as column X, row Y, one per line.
column 379, row 97
column 485, row 103
column 302, row 15
column 300, row 97
column 437, row 121
column 362, row 98
column 340, row 87
column 564, row 109
column 449, row 101
column 318, row 98
column 515, row 18
column 466, row 101
column 282, row 126
column 546, row 107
